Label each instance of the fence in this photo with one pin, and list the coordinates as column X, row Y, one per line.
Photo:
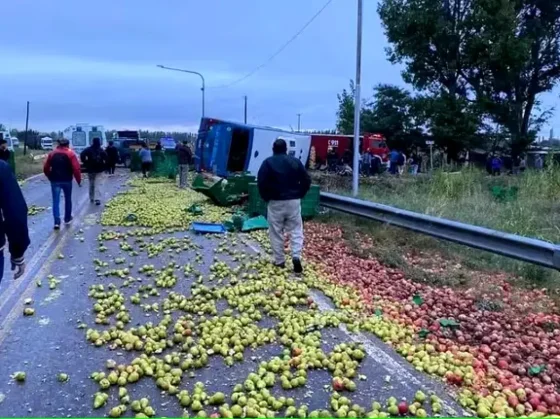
column 517, row 247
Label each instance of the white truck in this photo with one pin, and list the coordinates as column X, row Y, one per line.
column 47, row 143
column 12, row 141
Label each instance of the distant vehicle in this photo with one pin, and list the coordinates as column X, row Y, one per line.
column 81, row 136
column 47, row 143
column 223, row 147
column 126, row 143
column 168, row 143
column 340, row 143
column 5, row 135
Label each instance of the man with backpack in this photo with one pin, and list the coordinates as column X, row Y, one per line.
column 60, row 167
column 94, row 159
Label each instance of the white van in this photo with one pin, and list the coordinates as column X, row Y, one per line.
column 81, row 136
column 11, row 143
column 47, row 143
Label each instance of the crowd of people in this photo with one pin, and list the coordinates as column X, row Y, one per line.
column 372, row 164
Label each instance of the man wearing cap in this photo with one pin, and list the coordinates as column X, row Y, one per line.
column 283, row 182
column 60, row 167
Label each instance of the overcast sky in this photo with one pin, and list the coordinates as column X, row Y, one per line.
column 95, row 61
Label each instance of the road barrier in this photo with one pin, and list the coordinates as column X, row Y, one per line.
column 517, row 247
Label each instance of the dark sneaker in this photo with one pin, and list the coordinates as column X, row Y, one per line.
column 69, row 221
column 280, row 265
column 297, row 266
column 57, row 226
column 97, row 202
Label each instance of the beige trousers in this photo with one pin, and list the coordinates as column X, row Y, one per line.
column 285, row 217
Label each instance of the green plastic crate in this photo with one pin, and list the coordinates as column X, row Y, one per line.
column 219, row 192
column 309, row 204
column 238, row 184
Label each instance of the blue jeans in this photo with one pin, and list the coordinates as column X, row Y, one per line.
column 65, row 187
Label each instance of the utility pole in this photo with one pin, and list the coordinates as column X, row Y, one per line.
column 26, row 129
column 202, row 89
column 357, row 107
column 298, row 122
column 245, row 113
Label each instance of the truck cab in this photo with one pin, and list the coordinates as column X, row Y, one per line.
column 47, row 143
column 126, row 143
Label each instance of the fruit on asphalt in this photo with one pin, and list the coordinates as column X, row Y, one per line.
column 63, row 377
column 28, row 311
column 99, row 399
column 19, row 376
column 225, row 308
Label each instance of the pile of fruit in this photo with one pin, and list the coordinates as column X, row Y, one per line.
column 498, row 346
column 240, row 304
column 159, row 205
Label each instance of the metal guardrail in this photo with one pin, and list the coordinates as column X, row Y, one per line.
column 522, row 248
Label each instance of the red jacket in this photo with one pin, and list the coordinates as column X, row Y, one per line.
column 62, row 165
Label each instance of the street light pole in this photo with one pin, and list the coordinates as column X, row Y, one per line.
column 203, row 89
column 357, row 107
column 298, row 122
column 245, row 109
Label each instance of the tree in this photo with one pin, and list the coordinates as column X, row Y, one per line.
column 481, row 58
column 345, row 113
column 393, row 112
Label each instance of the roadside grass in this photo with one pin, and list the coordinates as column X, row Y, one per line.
column 26, row 166
column 464, row 196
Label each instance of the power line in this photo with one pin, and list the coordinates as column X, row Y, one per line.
column 282, row 48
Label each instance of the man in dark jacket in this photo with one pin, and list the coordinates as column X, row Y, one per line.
column 4, row 151
column 283, row 182
column 94, row 159
column 60, row 167
column 112, row 157
column 13, row 221
column 184, row 159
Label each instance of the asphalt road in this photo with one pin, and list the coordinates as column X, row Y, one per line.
column 50, row 342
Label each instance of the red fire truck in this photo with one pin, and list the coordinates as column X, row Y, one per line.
column 341, row 143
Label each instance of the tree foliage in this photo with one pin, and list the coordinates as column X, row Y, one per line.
column 478, row 60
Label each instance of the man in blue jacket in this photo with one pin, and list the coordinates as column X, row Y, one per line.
column 13, row 221
column 283, row 182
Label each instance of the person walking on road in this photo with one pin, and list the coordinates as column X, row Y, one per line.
column 60, row 167
column 13, row 222
column 94, row 159
column 146, row 159
column 112, row 157
column 283, row 182
column 4, row 151
column 184, row 158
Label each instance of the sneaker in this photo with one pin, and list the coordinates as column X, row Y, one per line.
column 97, row 202
column 297, row 266
column 280, row 265
column 69, row 221
column 57, row 226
